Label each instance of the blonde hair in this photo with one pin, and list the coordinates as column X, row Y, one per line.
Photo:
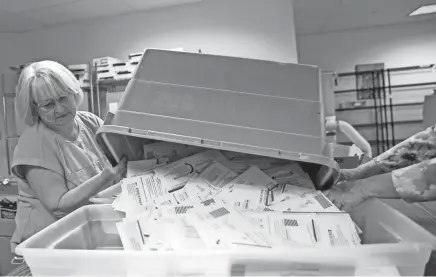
column 44, row 78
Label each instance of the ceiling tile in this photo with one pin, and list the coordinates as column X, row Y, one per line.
column 78, row 10
column 320, row 16
column 153, row 4
column 15, row 23
column 26, row 5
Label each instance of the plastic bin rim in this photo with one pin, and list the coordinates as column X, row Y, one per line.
column 120, row 130
column 29, row 241
column 224, row 56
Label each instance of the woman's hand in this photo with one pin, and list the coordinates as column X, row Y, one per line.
column 347, row 180
column 117, row 172
column 347, row 175
column 348, row 196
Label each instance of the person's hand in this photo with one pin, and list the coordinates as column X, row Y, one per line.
column 117, row 172
column 347, row 200
column 348, row 174
column 345, row 182
column 350, row 194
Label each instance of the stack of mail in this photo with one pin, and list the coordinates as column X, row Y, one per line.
column 186, row 198
column 215, row 225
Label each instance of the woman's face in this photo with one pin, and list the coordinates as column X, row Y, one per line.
column 55, row 110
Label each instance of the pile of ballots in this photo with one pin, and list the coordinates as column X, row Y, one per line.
column 189, row 198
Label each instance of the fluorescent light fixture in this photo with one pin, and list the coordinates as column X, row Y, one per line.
column 427, row 9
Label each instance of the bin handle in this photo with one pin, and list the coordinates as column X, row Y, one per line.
column 17, row 260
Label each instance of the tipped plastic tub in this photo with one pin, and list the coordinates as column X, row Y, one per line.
column 225, row 103
column 232, row 104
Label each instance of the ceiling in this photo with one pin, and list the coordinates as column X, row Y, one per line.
column 26, row 15
column 311, row 16
column 320, row 16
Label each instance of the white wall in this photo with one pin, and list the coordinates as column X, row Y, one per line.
column 8, row 52
column 396, row 45
column 261, row 29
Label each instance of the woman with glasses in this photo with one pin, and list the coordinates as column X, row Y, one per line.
column 57, row 159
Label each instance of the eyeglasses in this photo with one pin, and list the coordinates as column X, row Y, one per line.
column 51, row 104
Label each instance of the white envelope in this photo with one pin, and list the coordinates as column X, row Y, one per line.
column 177, row 174
column 207, row 184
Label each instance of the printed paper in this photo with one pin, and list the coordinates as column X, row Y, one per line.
column 248, row 191
column 336, row 230
column 222, row 227
column 290, row 173
column 130, row 236
column 177, row 174
column 312, row 202
column 207, row 184
column 295, row 230
column 285, row 192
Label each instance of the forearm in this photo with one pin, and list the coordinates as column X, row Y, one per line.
column 366, row 170
column 80, row 195
column 420, row 147
column 415, row 183
column 380, row 186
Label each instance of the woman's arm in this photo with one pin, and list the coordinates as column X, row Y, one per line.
column 415, row 183
column 51, row 189
column 420, row 147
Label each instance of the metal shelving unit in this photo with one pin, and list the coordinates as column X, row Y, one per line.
column 383, row 106
column 100, row 89
column 10, row 134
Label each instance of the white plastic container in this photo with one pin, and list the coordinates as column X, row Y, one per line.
column 86, row 243
column 106, row 196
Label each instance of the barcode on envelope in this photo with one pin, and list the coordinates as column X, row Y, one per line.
column 219, row 212
column 290, row 222
column 208, row 202
column 182, row 209
column 183, row 196
column 322, row 201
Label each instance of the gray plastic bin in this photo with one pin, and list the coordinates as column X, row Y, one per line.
column 226, row 103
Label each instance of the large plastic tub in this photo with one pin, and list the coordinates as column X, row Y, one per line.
column 225, row 103
column 86, row 243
